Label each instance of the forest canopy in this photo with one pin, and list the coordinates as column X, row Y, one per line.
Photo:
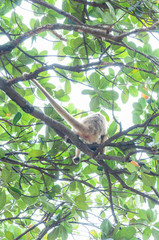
column 109, row 51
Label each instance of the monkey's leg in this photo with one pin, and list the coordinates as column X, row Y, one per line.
column 77, row 156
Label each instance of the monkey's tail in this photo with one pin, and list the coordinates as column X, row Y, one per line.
column 71, row 120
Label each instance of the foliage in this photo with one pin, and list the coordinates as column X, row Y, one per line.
column 109, row 49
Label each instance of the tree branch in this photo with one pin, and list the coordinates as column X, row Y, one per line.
column 95, row 31
column 110, row 191
column 126, row 186
column 59, row 128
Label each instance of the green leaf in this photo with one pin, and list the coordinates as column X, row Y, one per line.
column 142, row 101
column 15, row 192
column 107, row 18
column 88, row 92
column 137, row 107
column 133, row 91
column 147, row 49
column 17, row 117
column 112, row 128
column 155, row 233
column 156, row 52
column 72, row 186
column 82, row 206
column 127, row 232
column 9, row 235
column 21, row 204
column 12, row 108
column 131, row 8
column 76, row 42
column 29, row 200
column 81, row 188
column 100, row 168
column 94, row 103
column 94, row 233
column 94, row 80
column 103, row 83
column 53, row 234
column 68, row 50
column 60, row 93
column 45, row 182
column 142, row 213
column 80, row 198
column 25, row 59
column 133, row 177
column 131, row 167
column 14, row 176
column 109, row 95
column 89, row 169
column 48, row 19
column 35, row 153
column 67, row 198
column 131, row 52
column 2, row 199
column 156, row 225
column 56, row 189
column 139, row 11
column 50, row 207
column 67, row 87
column 147, row 233
column 68, row 226
column 6, row 175
column 112, row 12
column 125, row 95
column 2, row 153
column 157, row 138
column 33, row 190
column 151, row 215
column 63, row 233
column 148, row 180
column 106, row 226
column 136, row 117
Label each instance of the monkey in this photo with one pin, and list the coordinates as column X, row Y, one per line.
column 91, row 129
column 95, row 131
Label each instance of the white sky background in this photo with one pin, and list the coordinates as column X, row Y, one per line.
column 80, row 101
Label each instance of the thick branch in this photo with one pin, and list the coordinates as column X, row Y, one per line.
column 8, row 47
column 59, row 128
column 95, row 31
